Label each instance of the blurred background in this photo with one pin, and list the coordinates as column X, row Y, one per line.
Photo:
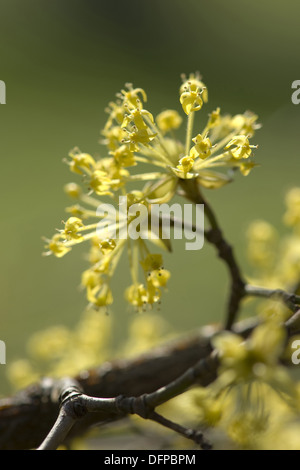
column 62, row 62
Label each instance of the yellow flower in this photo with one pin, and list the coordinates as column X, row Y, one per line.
column 100, row 296
column 137, row 116
column 168, row 120
column 56, row 246
column 262, row 243
column 145, row 162
column 136, row 295
column 133, row 95
column 72, row 228
column 191, row 100
column 81, row 162
column 73, row 190
column 292, row 214
column 246, row 167
column 202, row 147
column 255, row 358
column 100, row 183
column 124, row 156
column 194, row 83
column 240, row 147
column 185, row 164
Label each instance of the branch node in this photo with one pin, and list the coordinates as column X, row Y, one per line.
column 141, row 408
column 71, row 403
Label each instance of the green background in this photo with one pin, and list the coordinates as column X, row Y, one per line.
column 62, row 62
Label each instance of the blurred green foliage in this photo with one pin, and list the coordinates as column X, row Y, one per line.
column 62, row 62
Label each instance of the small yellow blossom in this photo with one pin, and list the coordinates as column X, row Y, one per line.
column 255, row 358
column 262, row 243
column 240, row 147
column 136, row 295
column 138, row 136
column 292, row 214
column 246, row 167
column 72, row 229
column 152, row 262
column 124, row 156
column 100, row 297
column 56, row 246
column 107, row 246
column 113, row 136
column 136, row 117
column 133, row 95
column 185, row 164
column 191, row 101
column 168, row 120
column 101, row 183
column 202, row 147
column 91, row 278
column 21, row 373
column 194, row 83
column 73, row 190
column 214, row 119
column 116, row 113
column 246, row 123
column 81, row 162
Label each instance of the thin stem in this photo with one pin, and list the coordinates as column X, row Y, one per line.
column 76, row 405
column 160, row 137
column 206, row 367
column 215, row 237
column 59, row 431
column 292, row 301
column 189, row 132
column 192, row 434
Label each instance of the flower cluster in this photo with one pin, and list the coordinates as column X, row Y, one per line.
column 275, row 258
column 144, row 151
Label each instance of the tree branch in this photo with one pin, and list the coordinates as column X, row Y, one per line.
column 75, row 405
column 292, row 301
column 144, row 383
column 215, row 236
column 25, row 419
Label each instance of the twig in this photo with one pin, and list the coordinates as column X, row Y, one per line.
column 145, row 380
column 192, row 434
column 36, row 407
column 225, row 252
column 75, row 405
column 205, row 368
column 292, row 301
column 66, row 391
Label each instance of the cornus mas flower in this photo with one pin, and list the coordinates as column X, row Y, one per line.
column 143, row 151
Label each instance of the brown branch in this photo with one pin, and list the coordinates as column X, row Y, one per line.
column 27, row 417
column 191, row 434
column 152, row 378
column 292, row 301
column 67, row 389
column 75, row 405
column 225, row 252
